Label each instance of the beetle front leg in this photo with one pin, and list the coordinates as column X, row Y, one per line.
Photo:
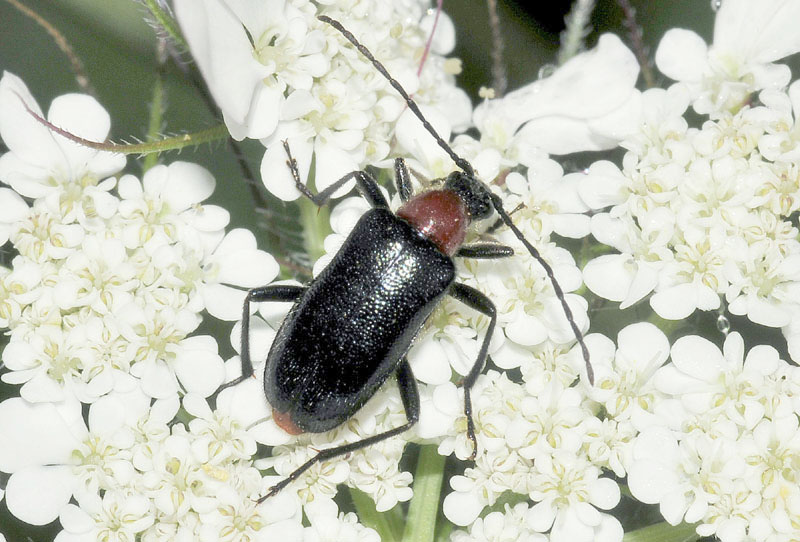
column 485, row 251
column 277, row 292
column 366, row 184
column 409, row 394
column 478, row 301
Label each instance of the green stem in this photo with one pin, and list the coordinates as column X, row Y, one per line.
column 663, row 532
column 421, row 520
column 156, row 120
column 316, row 226
column 166, row 22
column 387, row 524
column 215, row 133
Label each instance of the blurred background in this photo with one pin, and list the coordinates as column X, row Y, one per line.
column 118, row 50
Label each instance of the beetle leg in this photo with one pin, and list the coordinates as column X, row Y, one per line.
column 403, row 180
column 478, row 301
column 276, row 292
column 486, row 251
column 366, row 184
column 410, row 397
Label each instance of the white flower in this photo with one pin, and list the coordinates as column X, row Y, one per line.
column 226, row 58
column 781, row 140
column 165, row 207
column 589, row 103
column 711, row 383
column 528, row 309
column 39, row 440
column 115, row 517
column 40, row 160
column 548, row 423
column 177, row 481
column 56, row 454
column 449, row 343
column 517, row 436
column 328, row 526
column 14, row 210
column 165, row 356
column 234, row 261
column 373, row 470
column 377, row 473
column 748, row 38
column 48, row 364
column 608, row 443
column 42, row 236
column 549, row 200
column 98, row 276
column 507, row 526
column 684, row 477
column 623, row 377
column 569, row 491
column 239, row 518
column 218, row 437
column 480, row 487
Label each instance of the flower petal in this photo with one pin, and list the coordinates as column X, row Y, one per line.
column 38, row 434
column 36, row 495
column 682, row 55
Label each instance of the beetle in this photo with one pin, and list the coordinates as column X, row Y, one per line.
column 350, row 328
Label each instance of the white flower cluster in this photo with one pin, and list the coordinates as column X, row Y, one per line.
column 278, row 73
column 112, row 273
column 701, row 214
column 99, row 304
column 501, row 527
column 373, row 470
column 723, row 448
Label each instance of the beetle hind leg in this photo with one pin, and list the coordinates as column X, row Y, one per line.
column 410, row 397
column 275, row 292
column 478, row 301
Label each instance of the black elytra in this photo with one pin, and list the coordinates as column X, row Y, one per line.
column 350, row 328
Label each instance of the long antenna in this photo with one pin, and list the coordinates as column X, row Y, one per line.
column 412, row 105
column 467, row 167
column 498, row 206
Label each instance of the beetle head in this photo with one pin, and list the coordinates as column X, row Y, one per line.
column 473, row 193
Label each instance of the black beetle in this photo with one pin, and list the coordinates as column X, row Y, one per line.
column 350, row 328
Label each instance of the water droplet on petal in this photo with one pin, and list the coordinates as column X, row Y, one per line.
column 546, row 71
column 723, row 324
column 715, row 5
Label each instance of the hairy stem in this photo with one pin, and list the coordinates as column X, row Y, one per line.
column 572, row 39
column 165, row 20
column 636, row 36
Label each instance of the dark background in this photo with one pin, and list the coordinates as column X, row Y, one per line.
column 117, row 48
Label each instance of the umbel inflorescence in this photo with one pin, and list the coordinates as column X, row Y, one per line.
column 114, row 429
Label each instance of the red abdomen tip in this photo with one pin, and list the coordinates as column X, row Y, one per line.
column 284, row 421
